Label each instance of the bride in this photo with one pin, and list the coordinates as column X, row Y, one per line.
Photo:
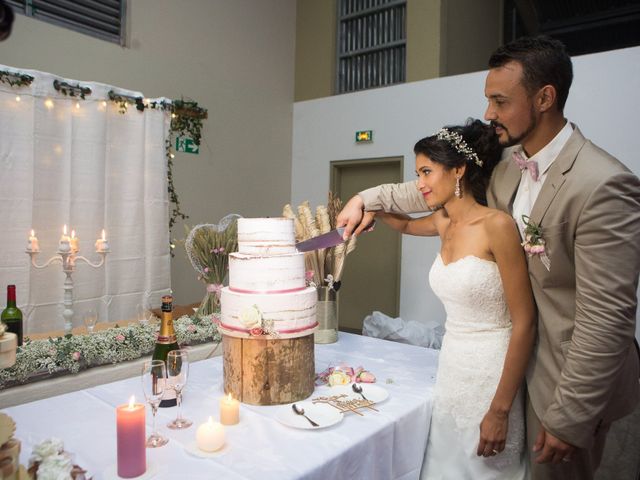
column 480, row 275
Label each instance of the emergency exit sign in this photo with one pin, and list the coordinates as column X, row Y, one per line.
column 363, row 136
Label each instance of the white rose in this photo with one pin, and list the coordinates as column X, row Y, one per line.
column 55, row 467
column 52, row 446
column 251, row 317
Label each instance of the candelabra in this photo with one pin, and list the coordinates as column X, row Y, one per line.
column 67, row 255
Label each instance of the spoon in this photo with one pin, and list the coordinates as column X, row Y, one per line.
column 358, row 389
column 300, row 411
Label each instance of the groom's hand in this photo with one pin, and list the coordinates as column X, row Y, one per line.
column 552, row 449
column 353, row 217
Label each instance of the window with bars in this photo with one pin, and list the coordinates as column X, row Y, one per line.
column 371, row 44
column 103, row 19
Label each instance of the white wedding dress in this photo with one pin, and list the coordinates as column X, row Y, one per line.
column 478, row 328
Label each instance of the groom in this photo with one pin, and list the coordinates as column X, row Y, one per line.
column 584, row 370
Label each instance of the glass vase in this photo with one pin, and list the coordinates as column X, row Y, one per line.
column 327, row 316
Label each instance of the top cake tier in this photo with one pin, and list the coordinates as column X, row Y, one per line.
column 266, row 236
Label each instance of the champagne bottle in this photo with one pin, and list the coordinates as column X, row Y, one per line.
column 12, row 316
column 164, row 344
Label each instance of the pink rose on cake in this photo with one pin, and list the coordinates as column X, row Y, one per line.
column 256, row 331
column 251, row 317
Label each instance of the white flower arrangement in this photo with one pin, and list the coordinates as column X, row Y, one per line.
column 72, row 353
column 49, row 461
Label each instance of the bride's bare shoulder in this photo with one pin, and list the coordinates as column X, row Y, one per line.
column 497, row 221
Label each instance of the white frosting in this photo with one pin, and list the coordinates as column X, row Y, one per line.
column 292, row 313
column 266, row 236
column 266, row 274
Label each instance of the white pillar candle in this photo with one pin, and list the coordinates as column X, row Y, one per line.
column 64, row 245
column 210, row 436
column 73, row 241
column 229, row 410
column 33, row 245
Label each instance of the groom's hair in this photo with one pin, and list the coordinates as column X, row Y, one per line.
column 544, row 61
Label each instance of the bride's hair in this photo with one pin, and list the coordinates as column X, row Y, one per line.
column 481, row 155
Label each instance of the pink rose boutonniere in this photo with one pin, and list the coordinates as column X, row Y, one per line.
column 534, row 243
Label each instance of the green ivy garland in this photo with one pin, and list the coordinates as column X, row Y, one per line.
column 15, row 79
column 71, row 90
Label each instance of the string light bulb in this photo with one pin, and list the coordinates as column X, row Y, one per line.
column 104, row 103
column 173, row 115
column 77, row 105
column 18, row 98
column 172, row 155
column 48, row 103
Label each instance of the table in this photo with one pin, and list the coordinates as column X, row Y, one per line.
column 384, row 445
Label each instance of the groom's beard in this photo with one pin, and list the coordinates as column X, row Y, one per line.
column 510, row 141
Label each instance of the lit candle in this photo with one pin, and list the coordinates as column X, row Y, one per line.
column 210, row 436
column 101, row 244
column 64, row 245
column 33, row 245
column 229, row 410
column 73, row 241
column 132, row 455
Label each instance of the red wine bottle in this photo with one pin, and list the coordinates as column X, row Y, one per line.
column 12, row 316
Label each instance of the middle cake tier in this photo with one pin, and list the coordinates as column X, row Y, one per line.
column 290, row 314
column 266, row 274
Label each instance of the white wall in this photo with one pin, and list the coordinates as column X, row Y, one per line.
column 604, row 102
column 236, row 58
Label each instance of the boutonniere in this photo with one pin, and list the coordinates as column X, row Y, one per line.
column 533, row 243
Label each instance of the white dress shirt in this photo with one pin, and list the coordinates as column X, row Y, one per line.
column 529, row 189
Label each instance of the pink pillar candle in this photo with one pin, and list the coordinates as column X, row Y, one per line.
column 131, row 435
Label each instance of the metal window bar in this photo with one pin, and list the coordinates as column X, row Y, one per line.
column 371, row 44
column 104, row 19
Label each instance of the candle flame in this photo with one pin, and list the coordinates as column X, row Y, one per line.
column 104, row 237
column 132, row 402
column 73, row 234
column 210, row 421
column 33, row 233
column 64, row 229
column 229, row 397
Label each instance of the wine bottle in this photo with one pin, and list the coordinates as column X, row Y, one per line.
column 12, row 316
column 164, row 344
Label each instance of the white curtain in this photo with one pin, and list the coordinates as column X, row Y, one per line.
column 65, row 160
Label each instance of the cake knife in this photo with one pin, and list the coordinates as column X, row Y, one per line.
column 326, row 240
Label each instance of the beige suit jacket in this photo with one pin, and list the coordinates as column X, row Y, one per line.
column 584, row 371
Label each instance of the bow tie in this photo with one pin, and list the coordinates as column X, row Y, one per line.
column 530, row 165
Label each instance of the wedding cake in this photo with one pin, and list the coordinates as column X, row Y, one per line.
column 267, row 292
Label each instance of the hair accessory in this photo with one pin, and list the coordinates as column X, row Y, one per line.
column 457, row 142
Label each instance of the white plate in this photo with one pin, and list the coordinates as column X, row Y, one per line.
column 324, row 415
column 374, row 393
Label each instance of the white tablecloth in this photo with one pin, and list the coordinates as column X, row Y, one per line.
column 384, row 445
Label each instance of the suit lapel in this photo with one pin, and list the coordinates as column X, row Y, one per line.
column 557, row 175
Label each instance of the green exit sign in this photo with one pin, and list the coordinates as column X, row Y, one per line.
column 186, row 145
column 364, row 136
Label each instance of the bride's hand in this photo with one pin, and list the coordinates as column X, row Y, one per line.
column 493, row 433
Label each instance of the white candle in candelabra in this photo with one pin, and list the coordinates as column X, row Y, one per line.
column 101, row 244
column 73, row 241
column 64, row 245
column 33, row 245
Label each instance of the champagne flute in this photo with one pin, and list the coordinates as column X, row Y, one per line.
column 90, row 318
column 154, row 381
column 177, row 374
column 142, row 314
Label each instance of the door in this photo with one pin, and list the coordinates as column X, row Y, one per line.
column 371, row 279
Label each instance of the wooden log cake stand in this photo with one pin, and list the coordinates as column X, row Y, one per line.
column 268, row 371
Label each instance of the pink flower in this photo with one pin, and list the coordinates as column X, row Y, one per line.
column 191, row 328
column 206, row 269
column 76, row 356
column 308, row 275
column 527, row 248
column 538, row 249
column 365, row 377
column 256, row 331
column 221, row 250
column 120, row 337
column 215, row 318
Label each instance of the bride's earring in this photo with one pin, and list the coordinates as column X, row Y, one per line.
column 458, row 191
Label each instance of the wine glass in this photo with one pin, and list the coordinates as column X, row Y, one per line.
column 154, row 380
column 90, row 318
column 177, row 373
column 142, row 314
